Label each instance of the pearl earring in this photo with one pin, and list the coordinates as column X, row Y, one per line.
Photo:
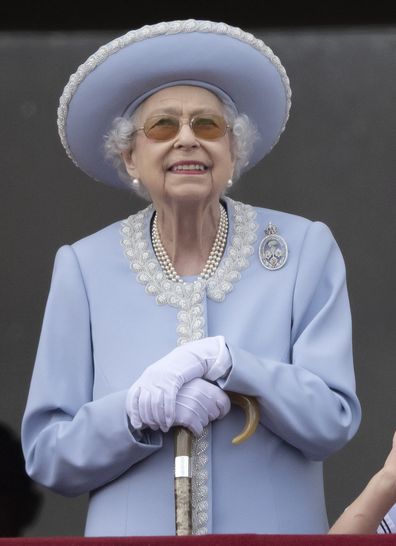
column 229, row 183
column 136, row 183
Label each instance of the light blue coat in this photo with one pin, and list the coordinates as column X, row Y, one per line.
column 111, row 313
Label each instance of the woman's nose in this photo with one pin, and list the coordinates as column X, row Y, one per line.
column 186, row 137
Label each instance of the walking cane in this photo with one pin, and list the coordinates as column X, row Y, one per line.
column 183, row 442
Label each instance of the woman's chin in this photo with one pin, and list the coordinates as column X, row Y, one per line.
column 190, row 190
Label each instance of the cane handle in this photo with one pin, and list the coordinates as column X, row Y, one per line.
column 252, row 415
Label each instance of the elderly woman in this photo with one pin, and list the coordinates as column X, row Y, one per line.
column 203, row 296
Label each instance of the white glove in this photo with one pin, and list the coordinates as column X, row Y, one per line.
column 199, row 402
column 153, row 395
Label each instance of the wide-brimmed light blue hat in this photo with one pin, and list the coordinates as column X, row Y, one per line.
column 235, row 65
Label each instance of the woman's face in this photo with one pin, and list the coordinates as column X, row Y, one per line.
column 166, row 168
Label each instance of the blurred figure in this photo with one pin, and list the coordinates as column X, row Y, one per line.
column 374, row 510
column 19, row 501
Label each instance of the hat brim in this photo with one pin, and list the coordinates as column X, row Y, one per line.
column 119, row 73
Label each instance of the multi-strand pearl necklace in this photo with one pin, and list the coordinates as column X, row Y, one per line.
column 214, row 257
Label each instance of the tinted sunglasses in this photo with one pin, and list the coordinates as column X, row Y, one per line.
column 166, row 127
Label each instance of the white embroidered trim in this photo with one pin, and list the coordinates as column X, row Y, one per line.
column 188, row 298
column 199, row 489
column 185, row 296
column 236, row 259
column 151, row 31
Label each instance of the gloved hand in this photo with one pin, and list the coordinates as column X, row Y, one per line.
column 199, row 402
column 154, row 393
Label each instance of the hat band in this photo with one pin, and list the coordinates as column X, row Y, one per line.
column 196, row 83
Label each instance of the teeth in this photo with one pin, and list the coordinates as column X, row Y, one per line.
column 190, row 167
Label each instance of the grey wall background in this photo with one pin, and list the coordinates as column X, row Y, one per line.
column 336, row 162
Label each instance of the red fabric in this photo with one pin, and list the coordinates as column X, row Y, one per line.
column 209, row 540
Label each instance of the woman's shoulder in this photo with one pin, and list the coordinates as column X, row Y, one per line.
column 299, row 233
column 285, row 218
column 99, row 250
column 99, row 240
column 106, row 237
column 289, row 218
column 293, row 225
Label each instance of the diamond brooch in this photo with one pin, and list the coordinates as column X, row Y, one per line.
column 273, row 251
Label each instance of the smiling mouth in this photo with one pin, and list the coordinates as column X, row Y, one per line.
column 188, row 168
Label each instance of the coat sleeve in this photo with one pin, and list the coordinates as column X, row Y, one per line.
column 72, row 443
column 308, row 399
